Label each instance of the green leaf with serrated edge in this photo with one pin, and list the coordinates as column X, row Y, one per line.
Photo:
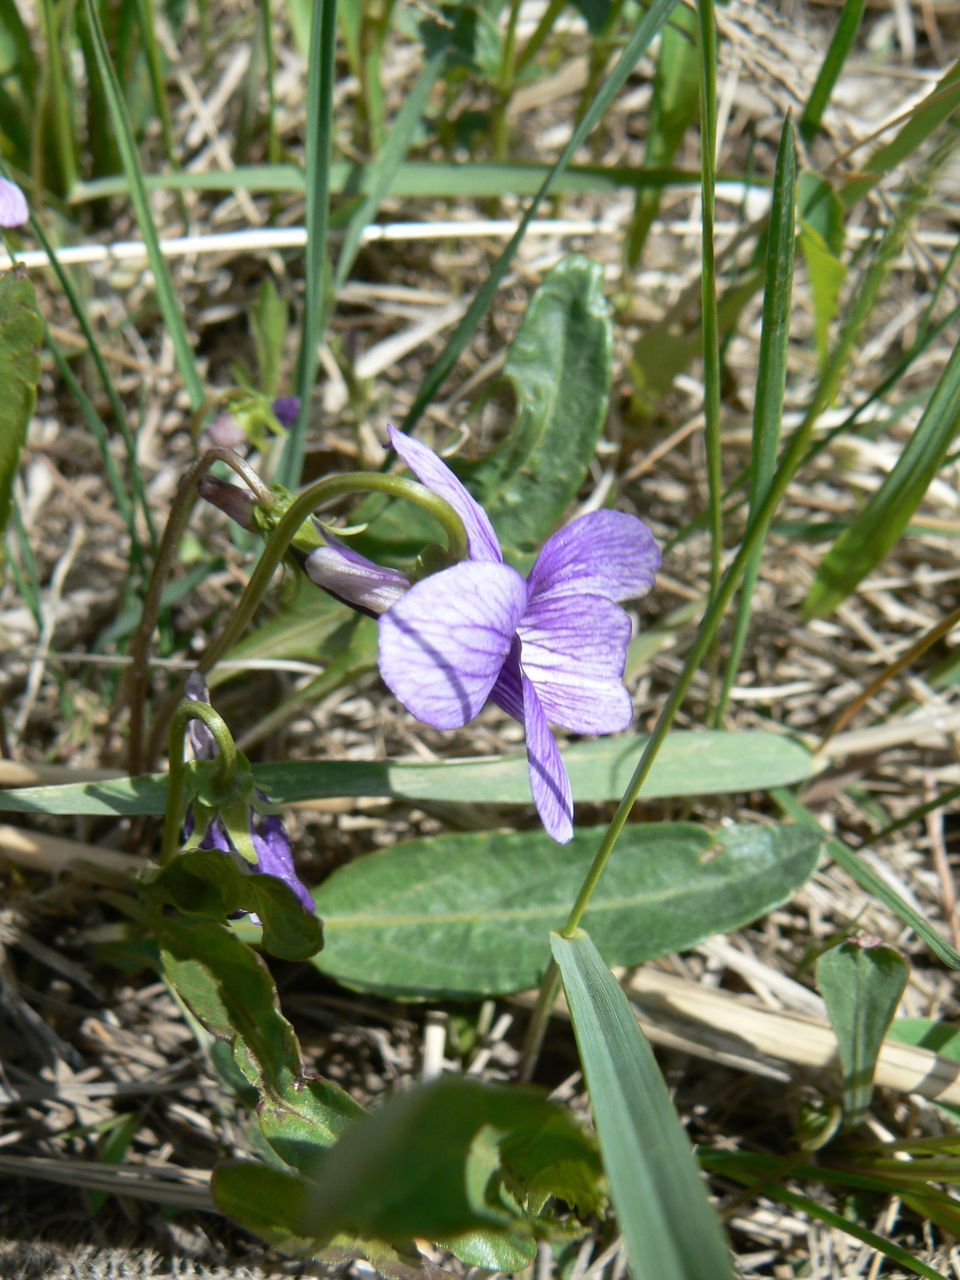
column 711, row 762
column 228, row 987
column 875, row 530
column 661, row 1201
column 427, row 1164
column 21, row 336
column 860, row 870
column 493, row 1251
column 207, row 882
column 861, row 985
column 468, row 915
column 559, row 368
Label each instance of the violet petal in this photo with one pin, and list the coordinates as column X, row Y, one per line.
column 354, row 578
column 13, row 205
column 275, row 857
column 549, row 782
column 434, row 473
column 442, row 645
column 507, row 693
column 574, row 649
column 604, row 553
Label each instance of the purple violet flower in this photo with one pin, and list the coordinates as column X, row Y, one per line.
column 13, row 205
column 547, row 649
column 267, row 832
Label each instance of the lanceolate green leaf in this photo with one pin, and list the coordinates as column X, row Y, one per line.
column 690, row 764
column 661, row 1201
column 21, row 335
column 468, row 915
column 889, row 511
column 560, row 368
column 862, row 985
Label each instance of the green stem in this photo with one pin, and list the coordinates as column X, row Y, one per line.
column 756, row 531
column 505, row 80
column 302, row 508
column 541, row 31
column 225, row 766
column 176, row 525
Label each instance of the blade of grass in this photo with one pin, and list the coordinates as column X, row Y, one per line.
column 382, row 173
column 651, row 23
column 868, row 539
column 673, row 108
column 116, row 405
column 427, row 178
column 100, row 434
column 659, row 1195
column 927, row 116
column 710, row 321
column 868, row 879
column 172, row 315
column 57, row 95
column 839, row 1222
column 320, row 76
column 771, row 377
column 844, row 36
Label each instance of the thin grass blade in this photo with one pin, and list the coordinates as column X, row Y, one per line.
column 382, row 173
column 865, row 542
column 771, row 376
column 868, row 879
column 651, row 23
column 844, row 35
column 172, row 315
column 320, row 77
column 660, row 1198
column 933, row 111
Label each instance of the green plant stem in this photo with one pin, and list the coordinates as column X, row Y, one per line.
column 59, row 101
column 225, row 766
column 753, row 537
column 504, row 86
column 707, row 40
column 180, row 512
column 300, row 509
column 539, row 36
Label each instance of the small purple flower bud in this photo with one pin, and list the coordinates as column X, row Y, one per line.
column 233, row 501
column 286, row 410
column 354, row 579
column 13, row 205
